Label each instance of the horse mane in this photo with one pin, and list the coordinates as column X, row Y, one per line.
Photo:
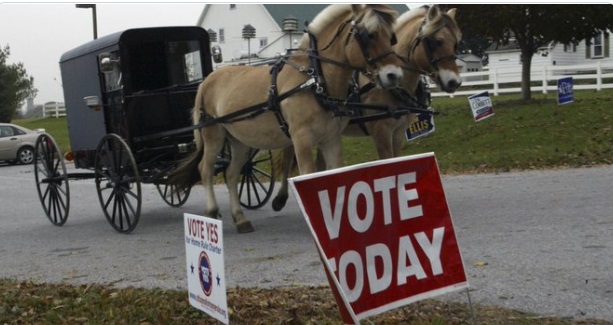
column 440, row 21
column 380, row 16
column 327, row 16
column 410, row 15
column 376, row 16
column 431, row 26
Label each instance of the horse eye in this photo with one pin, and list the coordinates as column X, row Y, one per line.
column 372, row 36
column 438, row 43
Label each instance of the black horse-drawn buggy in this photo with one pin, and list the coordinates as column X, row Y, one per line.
column 129, row 98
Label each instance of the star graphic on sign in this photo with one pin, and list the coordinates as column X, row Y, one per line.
column 218, row 280
column 192, row 266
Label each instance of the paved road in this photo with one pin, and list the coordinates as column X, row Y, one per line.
column 546, row 236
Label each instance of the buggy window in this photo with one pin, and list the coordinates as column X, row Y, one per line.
column 157, row 65
column 112, row 79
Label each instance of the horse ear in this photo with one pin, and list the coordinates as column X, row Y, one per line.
column 357, row 10
column 451, row 12
column 433, row 12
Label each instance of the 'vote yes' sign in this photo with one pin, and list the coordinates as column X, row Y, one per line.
column 385, row 233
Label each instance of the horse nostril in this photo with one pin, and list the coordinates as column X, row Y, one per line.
column 392, row 77
column 454, row 84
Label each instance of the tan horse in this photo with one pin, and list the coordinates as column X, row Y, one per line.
column 340, row 39
column 430, row 39
column 427, row 41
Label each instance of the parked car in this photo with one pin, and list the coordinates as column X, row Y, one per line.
column 17, row 143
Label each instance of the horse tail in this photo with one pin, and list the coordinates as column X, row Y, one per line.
column 196, row 115
column 187, row 173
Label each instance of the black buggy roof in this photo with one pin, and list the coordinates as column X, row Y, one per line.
column 136, row 35
column 158, row 67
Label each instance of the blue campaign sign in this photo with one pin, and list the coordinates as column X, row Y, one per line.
column 565, row 91
column 421, row 126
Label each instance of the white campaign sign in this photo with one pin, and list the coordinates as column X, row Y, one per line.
column 206, row 282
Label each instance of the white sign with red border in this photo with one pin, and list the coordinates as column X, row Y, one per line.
column 481, row 106
column 385, row 233
column 206, row 282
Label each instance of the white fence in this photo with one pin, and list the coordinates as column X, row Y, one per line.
column 54, row 109
column 500, row 81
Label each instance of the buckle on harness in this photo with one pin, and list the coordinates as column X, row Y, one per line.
column 307, row 83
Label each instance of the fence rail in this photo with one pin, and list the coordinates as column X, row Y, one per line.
column 544, row 79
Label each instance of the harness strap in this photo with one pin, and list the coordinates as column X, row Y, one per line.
column 273, row 98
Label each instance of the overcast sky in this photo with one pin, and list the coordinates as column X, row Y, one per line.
column 39, row 33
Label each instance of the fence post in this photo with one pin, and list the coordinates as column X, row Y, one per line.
column 544, row 79
column 495, row 79
column 599, row 76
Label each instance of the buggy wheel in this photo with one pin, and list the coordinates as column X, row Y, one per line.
column 51, row 179
column 118, row 183
column 257, row 183
column 173, row 195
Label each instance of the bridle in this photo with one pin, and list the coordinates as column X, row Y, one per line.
column 430, row 45
column 363, row 38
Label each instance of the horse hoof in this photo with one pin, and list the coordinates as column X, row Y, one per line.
column 278, row 203
column 244, row 227
column 215, row 216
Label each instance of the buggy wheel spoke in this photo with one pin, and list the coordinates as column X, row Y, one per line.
column 110, row 198
column 173, row 195
column 253, row 181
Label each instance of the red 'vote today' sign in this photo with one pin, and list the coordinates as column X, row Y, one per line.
column 385, row 230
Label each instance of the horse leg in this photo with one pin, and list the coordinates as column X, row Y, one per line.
column 287, row 163
column 320, row 161
column 332, row 152
column 213, row 138
column 398, row 141
column 304, row 158
column 382, row 138
column 240, row 156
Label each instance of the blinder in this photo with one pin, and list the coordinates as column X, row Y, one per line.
column 394, row 40
column 430, row 45
column 364, row 38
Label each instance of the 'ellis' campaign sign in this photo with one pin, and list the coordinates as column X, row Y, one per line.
column 384, row 232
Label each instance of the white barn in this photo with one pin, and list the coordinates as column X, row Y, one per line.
column 509, row 56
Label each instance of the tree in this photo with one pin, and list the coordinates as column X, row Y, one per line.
column 534, row 26
column 15, row 86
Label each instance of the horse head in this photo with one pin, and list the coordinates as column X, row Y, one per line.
column 431, row 44
column 360, row 36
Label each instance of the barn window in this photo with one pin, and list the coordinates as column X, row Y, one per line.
column 597, row 46
column 232, row 6
column 263, row 41
column 222, row 35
